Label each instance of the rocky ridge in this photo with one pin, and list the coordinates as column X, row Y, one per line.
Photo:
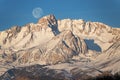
column 60, row 42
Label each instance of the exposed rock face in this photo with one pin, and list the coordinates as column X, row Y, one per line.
column 102, row 34
column 32, row 34
column 50, row 21
column 52, row 41
column 60, row 48
column 110, row 59
column 63, row 47
column 40, row 43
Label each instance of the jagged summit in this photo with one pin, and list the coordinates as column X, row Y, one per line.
column 52, row 41
column 49, row 20
column 48, row 27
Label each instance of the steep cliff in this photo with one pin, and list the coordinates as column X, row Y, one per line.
column 54, row 42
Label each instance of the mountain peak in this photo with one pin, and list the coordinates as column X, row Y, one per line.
column 51, row 22
column 47, row 19
column 71, row 45
column 51, row 16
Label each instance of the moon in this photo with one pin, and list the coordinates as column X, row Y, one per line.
column 37, row 12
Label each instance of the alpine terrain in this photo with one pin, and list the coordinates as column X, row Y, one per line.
column 52, row 49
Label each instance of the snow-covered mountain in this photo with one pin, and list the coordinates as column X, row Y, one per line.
column 51, row 41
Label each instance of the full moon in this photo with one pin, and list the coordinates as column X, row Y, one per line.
column 37, row 12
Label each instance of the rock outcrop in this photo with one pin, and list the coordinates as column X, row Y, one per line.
column 40, row 43
column 102, row 34
column 110, row 59
column 51, row 41
column 60, row 48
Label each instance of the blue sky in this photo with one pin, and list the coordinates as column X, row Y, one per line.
column 19, row 12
